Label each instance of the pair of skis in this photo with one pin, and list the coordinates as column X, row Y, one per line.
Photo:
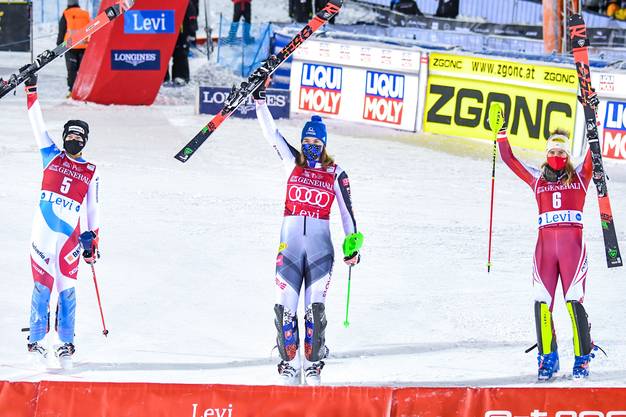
column 589, row 101
column 47, row 56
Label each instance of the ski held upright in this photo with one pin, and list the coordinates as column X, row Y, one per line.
column 47, row 56
column 589, row 101
column 239, row 95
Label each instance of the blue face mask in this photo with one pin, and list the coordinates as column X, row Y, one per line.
column 312, row 153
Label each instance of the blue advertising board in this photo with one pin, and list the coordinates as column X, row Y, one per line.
column 211, row 100
column 149, row 22
column 135, row 60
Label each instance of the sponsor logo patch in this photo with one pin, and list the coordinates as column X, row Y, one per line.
column 135, row 60
column 614, row 136
column 320, row 88
column 148, row 22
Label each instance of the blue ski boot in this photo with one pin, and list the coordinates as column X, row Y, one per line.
column 581, row 364
column 548, row 365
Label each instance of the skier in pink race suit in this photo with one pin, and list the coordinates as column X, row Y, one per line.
column 69, row 182
column 560, row 191
column 306, row 251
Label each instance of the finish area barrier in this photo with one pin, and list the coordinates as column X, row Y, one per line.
column 104, row 399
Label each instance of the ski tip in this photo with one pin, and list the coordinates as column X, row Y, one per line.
column 26, row 329
column 184, row 155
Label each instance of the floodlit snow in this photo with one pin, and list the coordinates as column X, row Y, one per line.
column 186, row 274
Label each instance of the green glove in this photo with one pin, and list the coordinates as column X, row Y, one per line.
column 352, row 243
column 496, row 118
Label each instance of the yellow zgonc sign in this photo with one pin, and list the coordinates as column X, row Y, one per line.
column 536, row 99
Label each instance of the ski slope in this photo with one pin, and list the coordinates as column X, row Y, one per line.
column 186, row 274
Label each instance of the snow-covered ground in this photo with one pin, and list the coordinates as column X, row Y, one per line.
column 186, row 274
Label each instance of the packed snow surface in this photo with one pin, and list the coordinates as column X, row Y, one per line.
column 186, row 274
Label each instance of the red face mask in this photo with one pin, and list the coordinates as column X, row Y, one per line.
column 557, row 163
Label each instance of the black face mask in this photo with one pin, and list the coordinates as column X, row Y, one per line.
column 73, row 147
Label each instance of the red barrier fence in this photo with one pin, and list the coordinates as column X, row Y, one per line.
column 108, row 399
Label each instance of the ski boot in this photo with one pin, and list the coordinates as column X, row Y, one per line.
column 581, row 363
column 548, row 365
column 64, row 352
column 313, row 370
column 289, row 372
column 38, row 351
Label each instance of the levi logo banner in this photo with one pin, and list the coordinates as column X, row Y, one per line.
column 384, row 97
column 614, row 140
column 135, row 60
column 148, row 22
column 320, row 88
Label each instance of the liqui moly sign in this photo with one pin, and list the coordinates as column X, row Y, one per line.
column 384, row 97
column 320, row 88
column 614, row 136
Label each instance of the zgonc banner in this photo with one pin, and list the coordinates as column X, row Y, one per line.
column 108, row 399
column 537, row 99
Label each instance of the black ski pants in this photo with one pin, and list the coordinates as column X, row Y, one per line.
column 242, row 9
column 73, row 58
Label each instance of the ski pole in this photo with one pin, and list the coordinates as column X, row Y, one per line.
column 496, row 122
column 493, row 180
column 346, row 323
column 105, row 332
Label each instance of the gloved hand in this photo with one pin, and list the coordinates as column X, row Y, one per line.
column 497, row 122
column 30, row 85
column 89, row 242
column 352, row 260
column 592, row 100
column 351, row 246
column 259, row 93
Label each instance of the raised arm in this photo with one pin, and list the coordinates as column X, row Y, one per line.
column 344, row 201
column 285, row 151
column 46, row 146
column 527, row 173
column 585, row 168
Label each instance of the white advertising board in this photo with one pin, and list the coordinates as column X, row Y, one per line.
column 376, row 86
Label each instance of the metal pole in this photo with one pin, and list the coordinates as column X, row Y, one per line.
column 30, row 18
column 564, row 34
column 219, row 40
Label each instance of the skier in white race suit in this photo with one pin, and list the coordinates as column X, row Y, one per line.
column 306, row 252
column 69, row 187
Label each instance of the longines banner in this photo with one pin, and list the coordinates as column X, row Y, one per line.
column 211, row 100
column 109, row 399
column 14, row 26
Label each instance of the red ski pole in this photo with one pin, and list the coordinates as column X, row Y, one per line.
column 496, row 122
column 105, row 332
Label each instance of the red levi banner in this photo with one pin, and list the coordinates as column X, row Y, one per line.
column 125, row 62
column 69, row 399
column 509, row 402
column 18, row 399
